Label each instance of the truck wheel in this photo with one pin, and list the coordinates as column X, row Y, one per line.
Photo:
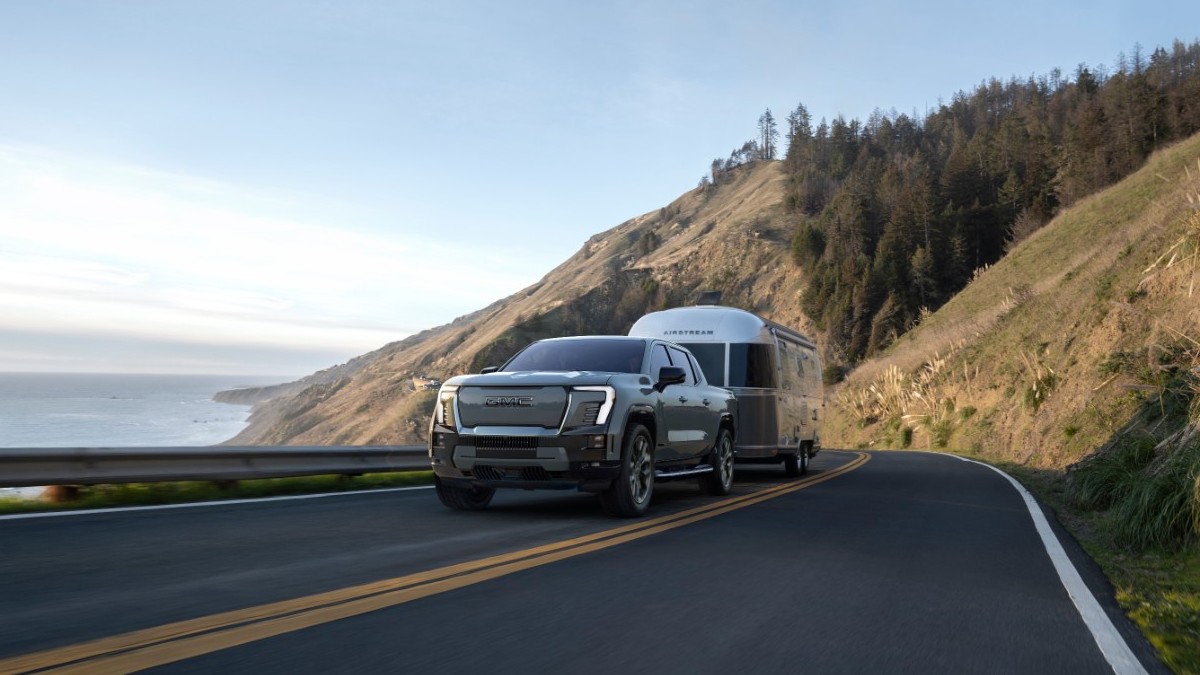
column 463, row 499
column 720, row 481
column 796, row 464
column 629, row 494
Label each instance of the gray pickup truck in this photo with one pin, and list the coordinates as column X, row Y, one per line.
column 608, row 414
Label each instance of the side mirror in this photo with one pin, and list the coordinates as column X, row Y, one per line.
column 489, row 369
column 669, row 375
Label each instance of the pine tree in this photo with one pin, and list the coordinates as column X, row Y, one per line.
column 799, row 137
column 768, row 135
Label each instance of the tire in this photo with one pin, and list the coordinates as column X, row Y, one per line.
column 629, row 495
column 463, row 499
column 720, row 481
column 796, row 464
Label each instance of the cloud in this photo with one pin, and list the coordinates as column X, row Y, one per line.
column 89, row 247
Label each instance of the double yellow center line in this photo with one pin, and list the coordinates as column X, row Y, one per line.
column 187, row 639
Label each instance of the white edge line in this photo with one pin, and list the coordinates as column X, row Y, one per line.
column 1114, row 648
column 191, row 505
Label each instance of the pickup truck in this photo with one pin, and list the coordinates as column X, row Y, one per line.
column 607, row 414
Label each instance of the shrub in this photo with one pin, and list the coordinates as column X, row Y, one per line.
column 1106, row 477
column 1043, row 382
column 1161, row 509
column 940, row 433
column 833, row 373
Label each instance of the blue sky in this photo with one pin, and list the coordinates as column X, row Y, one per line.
column 269, row 187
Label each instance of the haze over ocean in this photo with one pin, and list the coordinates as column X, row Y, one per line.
column 111, row 410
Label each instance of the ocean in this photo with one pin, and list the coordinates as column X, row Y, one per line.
column 91, row 410
column 59, row 410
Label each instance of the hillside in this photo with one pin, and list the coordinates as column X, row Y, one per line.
column 1051, row 352
column 1075, row 362
column 732, row 236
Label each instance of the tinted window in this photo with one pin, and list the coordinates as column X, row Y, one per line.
column 791, row 358
column 658, row 359
column 812, row 369
column 606, row 356
column 679, row 358
column 711, row 358
column 752, row 365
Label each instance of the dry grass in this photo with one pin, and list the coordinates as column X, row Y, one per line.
column 1186, row 249
column 1185, row 253
column 1042, row 380
column 924, row 398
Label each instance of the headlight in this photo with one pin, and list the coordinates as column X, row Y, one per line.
column 605, row 408
column 443, row 413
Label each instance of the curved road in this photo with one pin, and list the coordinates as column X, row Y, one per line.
column 896, row 562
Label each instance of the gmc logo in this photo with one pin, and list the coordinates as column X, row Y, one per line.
column 508, row 401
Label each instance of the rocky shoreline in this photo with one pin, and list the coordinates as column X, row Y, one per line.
column 254, row 395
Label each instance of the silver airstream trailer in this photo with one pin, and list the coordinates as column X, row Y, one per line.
column 774, row 371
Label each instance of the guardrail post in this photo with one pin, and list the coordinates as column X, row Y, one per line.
column 226, row 486
column 59, row 494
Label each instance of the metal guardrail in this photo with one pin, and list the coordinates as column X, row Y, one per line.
column 25, row 467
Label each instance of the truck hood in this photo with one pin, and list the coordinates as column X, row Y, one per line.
column 532, row 379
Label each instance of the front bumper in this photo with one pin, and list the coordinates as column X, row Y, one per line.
column 524, row 459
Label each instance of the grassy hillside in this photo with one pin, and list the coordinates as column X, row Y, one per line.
column 732, row 237
column 1051, row 352
column 1075, row 363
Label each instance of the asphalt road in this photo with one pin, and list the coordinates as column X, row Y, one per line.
column 906, row 563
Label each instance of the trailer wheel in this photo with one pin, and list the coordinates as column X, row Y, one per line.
column 796, row 464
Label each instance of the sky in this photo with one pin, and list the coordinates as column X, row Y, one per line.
column 270, row 187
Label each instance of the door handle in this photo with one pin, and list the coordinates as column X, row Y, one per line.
column 705, row 401
column 683, row 399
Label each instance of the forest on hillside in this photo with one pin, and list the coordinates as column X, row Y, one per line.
column 893, row 216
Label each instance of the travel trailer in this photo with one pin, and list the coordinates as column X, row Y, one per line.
column 774, row 371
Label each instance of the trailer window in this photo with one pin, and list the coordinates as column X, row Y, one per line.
column 711, row 357
column 752, row 365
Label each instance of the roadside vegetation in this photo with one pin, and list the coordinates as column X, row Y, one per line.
column 1074, row 363
column 147, row 494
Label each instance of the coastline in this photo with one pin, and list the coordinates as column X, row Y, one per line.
column 68, row 410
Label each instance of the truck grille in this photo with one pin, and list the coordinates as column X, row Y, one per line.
column 512, row 406
column 506, row 442
column 505, row 453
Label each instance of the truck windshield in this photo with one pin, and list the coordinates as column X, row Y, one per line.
column 605, row 356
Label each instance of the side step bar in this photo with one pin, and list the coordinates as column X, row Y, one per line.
column 659, row 474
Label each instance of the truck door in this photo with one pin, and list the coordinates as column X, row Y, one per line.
column 672, row 417
column 699, row 423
